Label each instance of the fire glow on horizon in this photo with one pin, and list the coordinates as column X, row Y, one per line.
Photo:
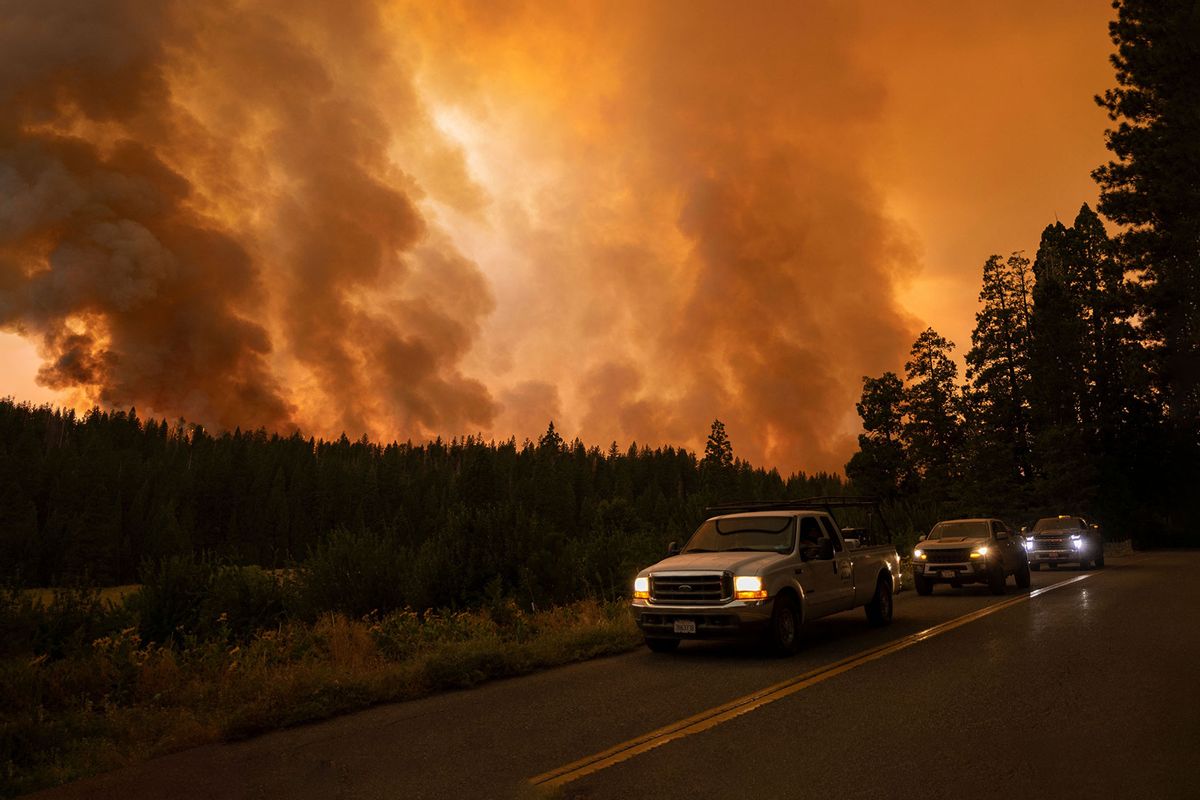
column 410, row 220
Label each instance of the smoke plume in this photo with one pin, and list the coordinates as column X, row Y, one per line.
column 410, row 220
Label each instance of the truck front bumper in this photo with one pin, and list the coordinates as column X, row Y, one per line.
column 964, row 572
column 732, row 620
column 1055, row 557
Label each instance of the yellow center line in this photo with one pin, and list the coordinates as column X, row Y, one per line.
column 713, row 717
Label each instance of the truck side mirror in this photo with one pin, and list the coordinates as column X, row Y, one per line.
column 672, row 549
column 826, row 549
column 1024, row 529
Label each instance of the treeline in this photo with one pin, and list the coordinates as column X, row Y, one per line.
column 100, row 496
column 1056, row 414
column 1082, row 388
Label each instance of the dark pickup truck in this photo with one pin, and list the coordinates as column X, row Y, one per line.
column 960, row 551
column 1064, row 540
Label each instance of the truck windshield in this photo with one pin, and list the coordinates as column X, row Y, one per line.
column 1056, row 524
column 960, row 530
column 756, row 534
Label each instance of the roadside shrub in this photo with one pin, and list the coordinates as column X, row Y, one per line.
column 354, row 573
column 18, row 621
column 73, row 619
column 242, row 600
column 66, row 625
column 188, row 596
column 174, row 589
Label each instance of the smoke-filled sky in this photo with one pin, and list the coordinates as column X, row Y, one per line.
column 414, row 219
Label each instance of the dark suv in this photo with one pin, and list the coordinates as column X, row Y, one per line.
column 1064, row 540
column 962, row 551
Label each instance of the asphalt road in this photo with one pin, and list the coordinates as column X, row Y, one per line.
column 1091, row 689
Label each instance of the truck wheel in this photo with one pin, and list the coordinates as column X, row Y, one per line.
column 1023, row 576
column 1100, row 559
column 997, row 580
column 783, row 637
column 1084, row 564
column 879, row 610
column 923, row 585
column 662, row 645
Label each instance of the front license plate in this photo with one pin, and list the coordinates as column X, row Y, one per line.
column 947, row 573
column 685, row 626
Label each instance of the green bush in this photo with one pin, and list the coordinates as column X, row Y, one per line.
column 174, row 590
column 356, row 573
column 72, row 619
column 189, row 596
column 242, row 600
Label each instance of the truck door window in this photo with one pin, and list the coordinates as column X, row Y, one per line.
column 833, row 537
column 811, row 533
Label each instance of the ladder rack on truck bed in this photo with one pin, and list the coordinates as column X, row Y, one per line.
column 825, row 503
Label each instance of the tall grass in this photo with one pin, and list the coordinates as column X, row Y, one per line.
column 83, row 689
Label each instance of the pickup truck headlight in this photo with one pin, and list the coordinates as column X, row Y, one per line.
column 979, row 552
column 1077, row 541
column 641, row 588
column 748, row 587
column 1029, row 544
column 919, row 555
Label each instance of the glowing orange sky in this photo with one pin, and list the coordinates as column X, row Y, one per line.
column 631, row 218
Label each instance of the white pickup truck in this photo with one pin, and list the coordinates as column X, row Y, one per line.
column 763, row 570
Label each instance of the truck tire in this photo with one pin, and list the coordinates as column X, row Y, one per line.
column 998, row 580
column 923, row 585
column 879, row 609
column 783, row 634
column 1084, row 564
column 662, row 645
column 1100, row 558
column 1023, row 577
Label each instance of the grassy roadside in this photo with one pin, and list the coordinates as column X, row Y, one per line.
column 114, row 701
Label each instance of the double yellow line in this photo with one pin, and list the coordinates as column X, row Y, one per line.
column 713, row 717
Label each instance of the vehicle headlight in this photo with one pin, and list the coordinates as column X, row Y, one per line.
column 1029, row 544
column 979, row 552
column 748, row 587
column 919, row 555
column 1076, row 541
column 641, row 588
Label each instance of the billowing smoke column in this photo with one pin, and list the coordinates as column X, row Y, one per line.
column 412, row 219
column 200, row 216
column 698, row 216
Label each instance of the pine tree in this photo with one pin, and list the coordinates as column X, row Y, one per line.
column 932, row 425
column 550, row 440
column 1152, row 187
column 998, row 361
column 881, row 466
column 718, row 450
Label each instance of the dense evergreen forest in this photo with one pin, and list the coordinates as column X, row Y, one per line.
column 1082, row 388
column 100, row 495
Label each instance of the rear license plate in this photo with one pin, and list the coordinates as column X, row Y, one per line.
column 947, row 573
column 685, row 626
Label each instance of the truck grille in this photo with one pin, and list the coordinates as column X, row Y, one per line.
column 948, row 556
column 691, row 589
column 1056, row 543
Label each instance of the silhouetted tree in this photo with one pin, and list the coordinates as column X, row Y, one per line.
column 881, row 466
column 932, row 426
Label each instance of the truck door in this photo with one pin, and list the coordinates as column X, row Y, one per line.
column 1008, row 544
column 817, row 574
column 844, row 565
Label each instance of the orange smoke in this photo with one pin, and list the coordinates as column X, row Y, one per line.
column 411, row 220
